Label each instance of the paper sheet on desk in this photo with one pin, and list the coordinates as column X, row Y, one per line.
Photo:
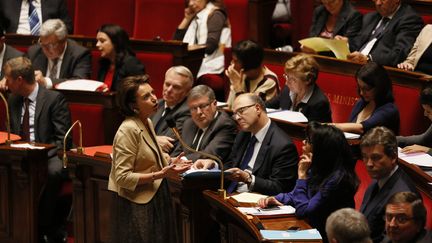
column 80, row 84
column 309, row 234
column 419, row 159
column 286, row 115
column 247, row 197
column 26, row 145
column 286, row 209
column 338, row 47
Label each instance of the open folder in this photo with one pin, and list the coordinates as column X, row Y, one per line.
column 338, row 47
column 292, row 235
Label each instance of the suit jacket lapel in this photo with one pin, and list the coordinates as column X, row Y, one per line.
column 376, row 18
column 150, row 142
column 341, row 20
column 243, row 141
column 40, row 102
column 206, row 138
column 67, row 57
column 367, row 197
column 260, row 159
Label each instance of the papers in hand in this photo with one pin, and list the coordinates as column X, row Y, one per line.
column 309, row 234
column 419, row 159
column 349, row 135
column 80, row 84
column 247, row 197
column 26, row 145
column 318, row 44
column 286, row 115
column 286, row 209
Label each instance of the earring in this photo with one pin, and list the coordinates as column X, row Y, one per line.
column 136, row 111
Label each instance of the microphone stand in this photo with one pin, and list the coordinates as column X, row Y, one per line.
column 221, row 190
column 8, row 140
column 80, row 149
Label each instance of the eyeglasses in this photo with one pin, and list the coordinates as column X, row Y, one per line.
column 399, row 218
column 49, row 45
column 240, row 111
column 201, row 107
column 289, row 77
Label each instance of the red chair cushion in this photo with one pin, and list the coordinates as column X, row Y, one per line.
column 365, row 180
column 239, row 19
column 156, row 64
column 91, row 117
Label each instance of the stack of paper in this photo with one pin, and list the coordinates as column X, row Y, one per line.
column 247, row 197
column 282, row 210
column 80, row 84
column 289, row 116
column 310, row 234
column 420, row 159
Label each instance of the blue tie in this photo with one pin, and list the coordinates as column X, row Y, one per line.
column 33, row 19
column 246, row 159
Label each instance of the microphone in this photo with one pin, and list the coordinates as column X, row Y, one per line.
column 171, row 123
column 80, row 149
column 8, row 140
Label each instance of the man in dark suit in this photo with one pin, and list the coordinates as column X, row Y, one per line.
column 178, row 82
column 379, row 152
column 11, row 11
column 387, row 35
column 42, row 116
column 208, row 130
column 263, row 158
column 56, row 58
column 6, row 53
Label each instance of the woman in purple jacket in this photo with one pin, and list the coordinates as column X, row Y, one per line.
column 326, row 178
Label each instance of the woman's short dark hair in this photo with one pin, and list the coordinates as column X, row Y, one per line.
column 126, row 94
column 120, row 40
column 375, row 76
column 326, row 160
column 249, row 54
column 426, row 94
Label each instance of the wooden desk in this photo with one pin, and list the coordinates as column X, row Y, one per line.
column 92, row 201
column 22, row 176
column 237, row 227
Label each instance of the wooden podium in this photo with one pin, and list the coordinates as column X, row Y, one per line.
column 236, row 227
column 22, row 176
column 92, row 200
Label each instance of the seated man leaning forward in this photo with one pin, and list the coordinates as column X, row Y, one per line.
column 263, row 158
column 379, row 151
column 208, row 130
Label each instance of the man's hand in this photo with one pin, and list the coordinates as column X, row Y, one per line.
column 235, row 78
column 204, row 164
column 165, row 143
column 357, row 57
column 304, row 165
column 40, row 78
column 3, row 85
column 238, row 175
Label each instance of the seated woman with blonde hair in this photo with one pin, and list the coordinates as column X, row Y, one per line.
column 301, row 93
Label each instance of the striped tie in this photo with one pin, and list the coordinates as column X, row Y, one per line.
column 33, row 19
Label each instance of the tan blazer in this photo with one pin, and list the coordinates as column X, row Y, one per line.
column 134, row 152
column 424, row 39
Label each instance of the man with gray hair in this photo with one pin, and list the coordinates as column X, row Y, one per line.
column 347, row 225
column 178, row 82
column 208, row 129
column 57, row 58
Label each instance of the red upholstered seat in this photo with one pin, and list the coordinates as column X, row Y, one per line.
column 91, row 14
column 342, row 93
column 427, row 201
column 219, row 84
column 239, row 18
column 365, row 180
column 157, row 18
column 156, row 64
column 2, row 116
column 95, row 64
column 301, row 12
column 410, row 110
column 427, row 19
column 91, row 117
column 279, row 71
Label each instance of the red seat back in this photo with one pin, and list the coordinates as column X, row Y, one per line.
column 301, row 12
column 91, row 14
column 365, row 180
column 157, row 18
column 238, row 15
column 427, row 202
column 91, row 117
column 341, row 91
column 156, row 64
column 95, row 64
column 2, row 116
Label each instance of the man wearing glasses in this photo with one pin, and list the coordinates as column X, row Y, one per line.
column 56, row 58
column 208, row 129
column 405, row 219
column 263, row 158
column 379, row 152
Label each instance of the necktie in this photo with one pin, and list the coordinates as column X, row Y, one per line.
column 196, row 31
column 246, row 159
column 25, row 126
column 378, row 31
column 197, row 139
column 162, row 119
column 53, row 70
column 33, row 19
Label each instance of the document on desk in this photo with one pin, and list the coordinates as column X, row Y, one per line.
column 80, row 84
column 309, row 234
column 419, row 159
column 247, row 197
column 26, row 146
column 282, row 210
column 289, row 116
column 338, row 47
